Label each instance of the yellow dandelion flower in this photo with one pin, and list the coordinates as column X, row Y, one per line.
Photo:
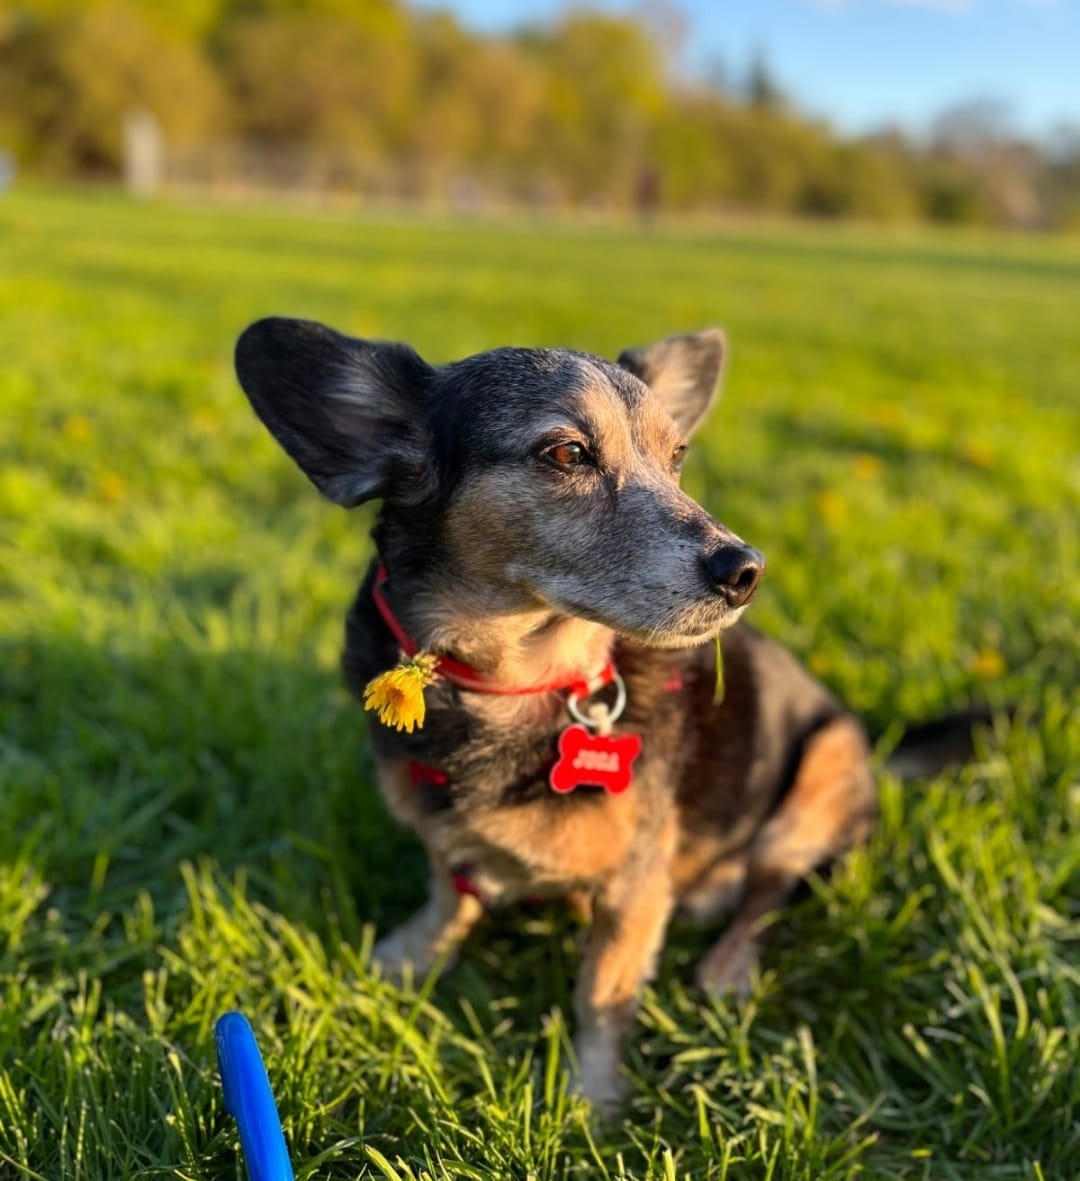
column 78, row 428
column 866, row 466
column 831, row 506
column 111, row 487
column 988, row 664
column 397, row 696
column 820, row 665
column 979, row 454
column 888, row 414
column 206, row 419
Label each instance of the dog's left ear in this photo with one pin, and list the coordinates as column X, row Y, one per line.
column 349, row 412
column 682, row 371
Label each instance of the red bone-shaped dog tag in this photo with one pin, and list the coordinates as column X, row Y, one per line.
column 588, row 758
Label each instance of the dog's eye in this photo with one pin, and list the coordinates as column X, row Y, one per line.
column 678, row 455
column 567, row 454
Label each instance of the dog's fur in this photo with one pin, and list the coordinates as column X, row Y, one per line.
column 530, row 568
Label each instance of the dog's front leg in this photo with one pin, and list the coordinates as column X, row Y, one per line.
column 434, row 931
column 630, row 917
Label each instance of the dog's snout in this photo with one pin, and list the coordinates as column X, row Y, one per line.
column 734, row 572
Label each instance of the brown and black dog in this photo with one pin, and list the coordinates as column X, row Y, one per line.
column 533, row 533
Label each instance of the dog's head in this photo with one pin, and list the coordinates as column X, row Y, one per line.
column 539, row 478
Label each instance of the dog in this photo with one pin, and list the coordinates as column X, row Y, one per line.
column 534, row 543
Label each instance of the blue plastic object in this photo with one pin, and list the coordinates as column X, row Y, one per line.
column 250, row 1101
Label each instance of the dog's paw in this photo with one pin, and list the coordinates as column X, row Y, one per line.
column 406, row 951
column 729, row 969
column 602, row 1087
column 598, row 1079
column 717, row 896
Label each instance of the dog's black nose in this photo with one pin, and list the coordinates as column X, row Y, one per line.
column 735, row 571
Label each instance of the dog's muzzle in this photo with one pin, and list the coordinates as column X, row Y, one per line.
column 734, row 572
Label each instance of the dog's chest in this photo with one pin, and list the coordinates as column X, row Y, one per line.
column 537, row 844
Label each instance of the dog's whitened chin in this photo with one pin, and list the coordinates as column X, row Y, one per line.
column 674, row 640
column 650, row 637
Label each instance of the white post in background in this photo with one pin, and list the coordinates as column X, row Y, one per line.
column 144, row 153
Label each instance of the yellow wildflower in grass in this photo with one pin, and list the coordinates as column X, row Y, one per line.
column 78, row 428
column 831, row 506
column 988, row 664
column 979, row 454
column 820, row 665
column 888, row 414
column 206, row 419
column 866, row 466
column 111, row 487
column 397, row 696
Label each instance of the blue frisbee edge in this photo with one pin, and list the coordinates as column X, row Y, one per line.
column 250, row 1101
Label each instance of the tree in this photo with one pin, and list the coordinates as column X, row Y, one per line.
column 68, row 79
column 314, row 77
column 604, row 86
column 478, row 100
column 761, row 88
column 378, row 94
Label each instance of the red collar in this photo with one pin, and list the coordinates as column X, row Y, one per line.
column 464, row 675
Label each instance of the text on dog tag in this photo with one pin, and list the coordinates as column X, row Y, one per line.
column 592, row 759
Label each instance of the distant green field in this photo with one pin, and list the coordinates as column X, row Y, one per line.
column 187, row 818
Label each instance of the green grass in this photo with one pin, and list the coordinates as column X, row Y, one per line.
column 187, row 817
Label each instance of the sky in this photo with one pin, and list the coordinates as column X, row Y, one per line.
column 865, row 63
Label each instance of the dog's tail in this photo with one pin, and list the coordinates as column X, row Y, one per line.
column 928, row 748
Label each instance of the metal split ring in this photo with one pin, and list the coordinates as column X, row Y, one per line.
column 613, row 714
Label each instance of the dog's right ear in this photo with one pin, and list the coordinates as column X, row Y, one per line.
column 682, row 371
column 348, row 411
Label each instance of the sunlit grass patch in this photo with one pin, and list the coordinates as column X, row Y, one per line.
column 187, row 816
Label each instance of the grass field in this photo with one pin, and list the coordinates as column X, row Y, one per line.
column 187, row 818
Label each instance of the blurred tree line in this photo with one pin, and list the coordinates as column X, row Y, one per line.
column 372, row 95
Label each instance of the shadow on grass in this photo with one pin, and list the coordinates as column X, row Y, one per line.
column 122, row 765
